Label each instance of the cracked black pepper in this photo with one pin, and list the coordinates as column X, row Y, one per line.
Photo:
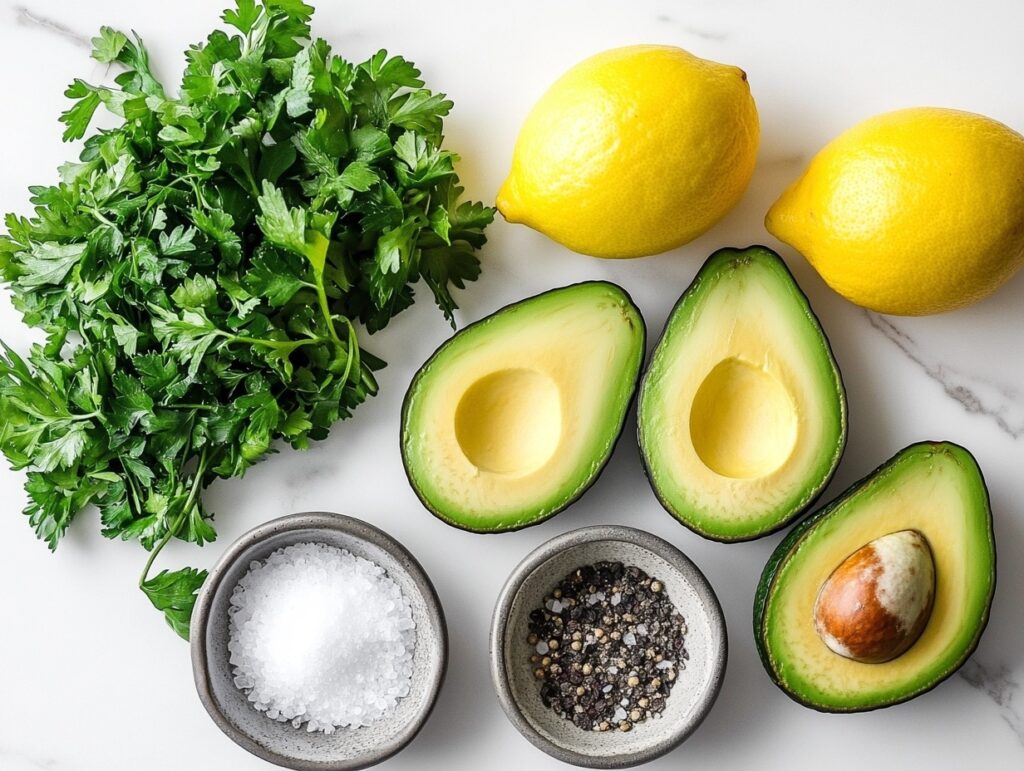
column 607, row 646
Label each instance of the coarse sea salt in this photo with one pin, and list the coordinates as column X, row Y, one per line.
column 320, row 637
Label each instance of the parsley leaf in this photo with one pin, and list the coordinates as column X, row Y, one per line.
column 107, row 46
column 174, row 594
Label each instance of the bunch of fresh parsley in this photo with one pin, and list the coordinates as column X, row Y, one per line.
column 200, row 271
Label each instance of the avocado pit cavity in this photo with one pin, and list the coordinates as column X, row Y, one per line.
column 510, row 421
column 876, row 604
column 743, row 422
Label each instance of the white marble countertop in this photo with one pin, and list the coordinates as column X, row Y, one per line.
column 90, row 677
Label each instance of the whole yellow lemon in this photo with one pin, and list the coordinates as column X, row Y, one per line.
column 633, row 152
column 911, row 212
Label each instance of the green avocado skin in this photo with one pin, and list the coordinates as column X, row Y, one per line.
column 791, row 543
column 547, row 511
column 720, row 261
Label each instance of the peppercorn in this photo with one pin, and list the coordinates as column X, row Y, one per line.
column 603, row 631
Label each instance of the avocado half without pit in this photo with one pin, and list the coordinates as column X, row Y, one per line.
column 742, row 412
column 884, row 593
column 514, row 417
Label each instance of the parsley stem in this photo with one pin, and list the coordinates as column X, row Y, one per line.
column 197, row 480
column 60, row 414
column 87, row 416
column 325, row 309
column 289, row 344
column 352, row 360
column 133, row 486
column 99, row 216
column 352, row 346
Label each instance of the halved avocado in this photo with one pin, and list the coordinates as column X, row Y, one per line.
column 742, row 412
column 934, row 488
column 514, row 417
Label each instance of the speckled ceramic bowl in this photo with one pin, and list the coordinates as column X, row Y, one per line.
column 280, row 743
column 695, row 689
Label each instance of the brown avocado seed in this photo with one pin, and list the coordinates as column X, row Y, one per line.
column 876, row 604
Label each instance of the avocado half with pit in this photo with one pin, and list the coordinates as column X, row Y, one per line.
column 742, row 412
column 930, row 495
column 515, row 416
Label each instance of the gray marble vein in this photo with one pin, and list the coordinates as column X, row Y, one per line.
column 29, row 18
column 999, row 402
column 706, row 34
column 703, row 34
column 13, row 760
column 998, row 685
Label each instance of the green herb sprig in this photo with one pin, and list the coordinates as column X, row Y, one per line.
column 200, row 271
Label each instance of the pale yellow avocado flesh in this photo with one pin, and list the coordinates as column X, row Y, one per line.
column 516, row 415
column 742, row 414
column 743, row 422
column 935, row 489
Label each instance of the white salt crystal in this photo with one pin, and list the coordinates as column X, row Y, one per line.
column 616, row 598
column 620, row 715
column 664, row 664
column 320, row 637
column 542, row 648
column 629, row 638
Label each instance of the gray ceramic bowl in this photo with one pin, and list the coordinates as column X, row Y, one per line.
column 281, row 743
column 695, row 689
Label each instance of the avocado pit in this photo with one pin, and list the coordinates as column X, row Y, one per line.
column 877, row 602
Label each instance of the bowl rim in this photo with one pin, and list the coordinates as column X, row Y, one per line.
column 500, row 621
column 360, row 530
